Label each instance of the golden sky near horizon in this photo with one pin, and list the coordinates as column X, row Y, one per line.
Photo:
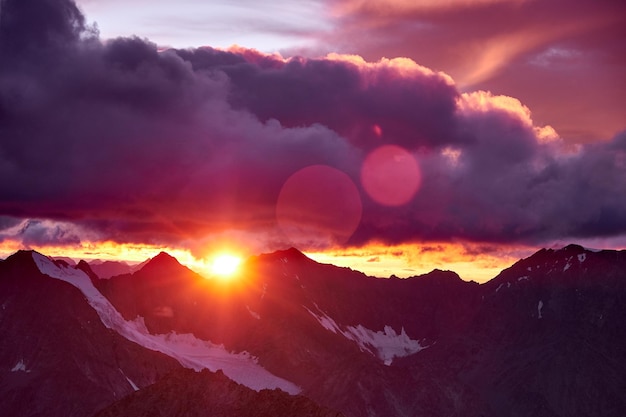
column 390, row 136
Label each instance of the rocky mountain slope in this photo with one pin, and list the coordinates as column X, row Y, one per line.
column 198, row 394
column 543, row 338
column 57, row 358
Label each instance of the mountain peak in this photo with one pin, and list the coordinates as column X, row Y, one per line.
column 571, row 249
column 293, row 253
column 21, row 259
column 285, row 255
column 163, row 262
column 164, row 255
column 84, row 266
column 442, row 275
column 571, row 265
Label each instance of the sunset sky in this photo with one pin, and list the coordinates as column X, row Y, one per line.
column 392, row 136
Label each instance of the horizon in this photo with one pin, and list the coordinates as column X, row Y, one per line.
column 204, row 268
column 389, row 137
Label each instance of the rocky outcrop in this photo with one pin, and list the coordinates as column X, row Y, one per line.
column 203, row 394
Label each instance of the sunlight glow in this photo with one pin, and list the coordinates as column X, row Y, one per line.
column 225, row 265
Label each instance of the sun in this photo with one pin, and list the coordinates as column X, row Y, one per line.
column 225, row 265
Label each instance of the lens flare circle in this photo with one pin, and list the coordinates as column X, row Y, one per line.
column 390, row 175
column 318, row 206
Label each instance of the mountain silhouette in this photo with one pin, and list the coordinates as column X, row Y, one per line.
column 543, row 338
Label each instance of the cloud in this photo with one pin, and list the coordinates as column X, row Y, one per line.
column 7, row 223
column 42, row 232
column 403, row 6
column 119, row 141
column 502, row 46
column 39, row 26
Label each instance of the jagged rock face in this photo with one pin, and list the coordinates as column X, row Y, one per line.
column 343, row 307
column 552, row 336
column 198, row 394
column 56, row 356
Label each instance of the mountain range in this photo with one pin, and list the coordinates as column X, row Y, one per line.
column 293, row 337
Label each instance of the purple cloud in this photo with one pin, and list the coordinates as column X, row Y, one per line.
column 136, row 145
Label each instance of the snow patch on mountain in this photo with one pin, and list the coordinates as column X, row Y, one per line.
column 539, row 308
column 186, row 348
column 253, row 313
column 327, row 322
column 386, row 344
column 20, row 366
column 582, row 257
column 199, row 354
column 130, row 381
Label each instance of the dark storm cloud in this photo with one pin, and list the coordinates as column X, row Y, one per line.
column 134, row 142
column 341, row 93
column 36, row 27
column 136, row 145
column 8, row 222
column 532, row 199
